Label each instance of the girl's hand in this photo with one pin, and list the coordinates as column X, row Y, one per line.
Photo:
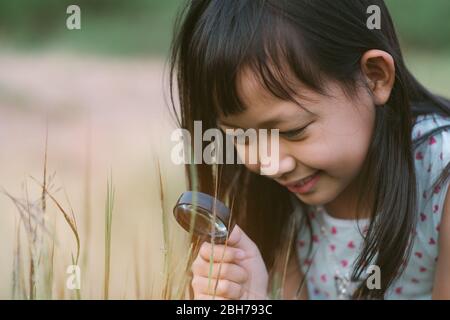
column 243, row 274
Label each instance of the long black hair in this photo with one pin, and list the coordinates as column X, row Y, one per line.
column 215, row 39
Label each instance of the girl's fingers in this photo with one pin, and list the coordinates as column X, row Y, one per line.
column 239, row 239
column 220, row 253
column 219, row 270
column 225, row 288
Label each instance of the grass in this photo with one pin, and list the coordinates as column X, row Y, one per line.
column 70, row 219
column 39, row 257
column 36, row 281
column 36, row 271
column 165, row 230
column 36, row 268
column 109, row 207
column 176, row 273
column 87, row 190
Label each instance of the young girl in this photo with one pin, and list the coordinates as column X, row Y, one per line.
column 364, row 151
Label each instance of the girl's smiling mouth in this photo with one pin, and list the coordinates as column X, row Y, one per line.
column 304, row 185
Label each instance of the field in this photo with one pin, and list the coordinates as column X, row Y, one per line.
column 104, row 117
column 89, row 112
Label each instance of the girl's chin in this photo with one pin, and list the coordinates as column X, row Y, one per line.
column 311, row 199
column 321, row 195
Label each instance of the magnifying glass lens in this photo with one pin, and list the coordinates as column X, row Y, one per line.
column 201, row 221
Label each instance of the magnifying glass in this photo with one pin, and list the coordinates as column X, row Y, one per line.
column 205, row 215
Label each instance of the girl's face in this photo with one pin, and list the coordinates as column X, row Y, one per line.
column 332, row 139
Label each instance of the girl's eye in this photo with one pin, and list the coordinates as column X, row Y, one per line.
column 292, row 134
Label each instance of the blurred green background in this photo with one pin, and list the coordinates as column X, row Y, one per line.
column 140, row 27
column 117, row 27
column 143, row 28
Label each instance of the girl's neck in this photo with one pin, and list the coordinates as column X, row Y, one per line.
column 344, row 206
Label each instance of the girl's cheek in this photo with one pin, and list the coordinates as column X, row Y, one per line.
column 312, row 153
column 325, row 148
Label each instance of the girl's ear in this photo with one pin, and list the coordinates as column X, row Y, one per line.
column 379, row 70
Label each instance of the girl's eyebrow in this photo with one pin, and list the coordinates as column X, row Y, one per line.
column 270, row 123
column 267, row 124
column 222, row 123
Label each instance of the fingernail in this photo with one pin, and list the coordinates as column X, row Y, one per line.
column 240, row 254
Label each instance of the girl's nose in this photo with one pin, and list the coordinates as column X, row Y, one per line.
column 285, row 165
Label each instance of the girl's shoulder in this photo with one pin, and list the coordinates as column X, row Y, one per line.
column 431, row 138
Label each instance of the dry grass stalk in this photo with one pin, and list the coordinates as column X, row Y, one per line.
column 109, row 206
